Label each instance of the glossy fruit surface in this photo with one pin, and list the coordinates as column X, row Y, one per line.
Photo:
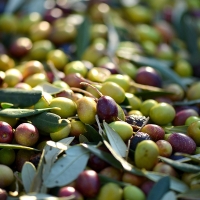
column 6, row 132
column 132, row 192
column 155, row 132
column 88, row 183
column 124, row 129
column 26, row 134
column 111, row 190
column 193, row 131
column 162, row 113
column 66, row 107
column 86, row 105
column 182, row 143
column 6, row 176
column 146, row 154
column 107, row 109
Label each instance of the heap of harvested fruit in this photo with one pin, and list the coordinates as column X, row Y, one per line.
column 99, row 100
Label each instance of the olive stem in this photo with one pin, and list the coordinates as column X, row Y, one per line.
column 83, row 91
column 145, row 87
column 87, row 84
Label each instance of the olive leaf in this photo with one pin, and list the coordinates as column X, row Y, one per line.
column 50, row 156
column 176, row 129
column 92, row 134
column 107, row 157
column 48, row 122
column 185, row 167
column 113, row 38
column 186, row 102
column 68, row 167
column 188, row 157
column 22, row 112
column 83, row 139
column 37, row 183
column 48, row 88
column 160, row 188
column 115, row 140
column 27, row 174
column 151, row 94
column 175, row 183
column 83, row 37
column 191, row 194
column 19, row 97
column 169, row 195
column 16, row 146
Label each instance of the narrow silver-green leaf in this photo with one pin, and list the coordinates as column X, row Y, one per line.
column 83, row 37
column 175, row 183
column 67, row 168
column 23, row 112
column 169, row 195
column 188, row 157
column 28, row 172
column 193, row 194
column 109, row 158
column 115, row 140
column 16, row 146
column 113, row 38
column 185, row 167
column 176, row 129
column 48, row 122
column 50, row 156
column 19, row 97
column 159, row 189
column 48, row 88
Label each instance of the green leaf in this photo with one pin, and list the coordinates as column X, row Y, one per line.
column 159, row 189
column 50, row 156
column 92, row 134
column 151, row 94
column 113, row 38
column 83, row 139
column 169, row 195
column 176, row 129
column 175, row 183
column 16, row 146
column 19, row 97
column 48, row 122
column 28, row 172
column 185, row 167
column 107, row 157
column 186, row 102
column 23, row 112
column 188, row 157
column 83, row 37
column 67, row 168
column 36, row 185
column 115, row 140
column 193, row 194
column 48, row 88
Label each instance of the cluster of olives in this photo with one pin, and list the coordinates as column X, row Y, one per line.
column 86, row 87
